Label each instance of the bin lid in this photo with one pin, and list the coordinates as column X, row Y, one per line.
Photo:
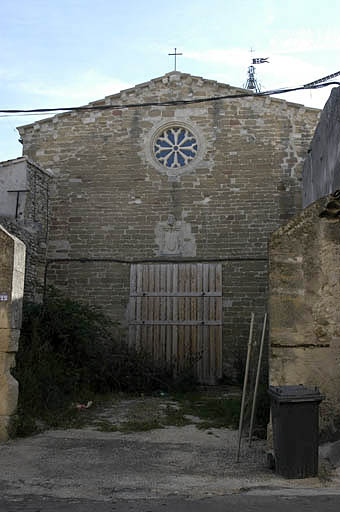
column 295, row 394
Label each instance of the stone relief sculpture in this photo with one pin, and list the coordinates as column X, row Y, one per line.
column 174, row 238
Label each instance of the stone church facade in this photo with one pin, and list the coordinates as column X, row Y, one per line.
column 161, row 214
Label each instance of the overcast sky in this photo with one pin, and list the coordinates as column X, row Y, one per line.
column 69, row 52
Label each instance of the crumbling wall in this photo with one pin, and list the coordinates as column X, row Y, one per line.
column 12, row 274
column 321, row 171
column 304, row 306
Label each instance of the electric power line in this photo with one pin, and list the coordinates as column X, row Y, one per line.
column 39, row 111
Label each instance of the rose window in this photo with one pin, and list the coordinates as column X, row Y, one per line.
column 175, row 147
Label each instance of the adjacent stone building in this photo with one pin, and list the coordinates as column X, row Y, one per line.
column 24, row 207
column 321, row 170
column 161, row 214
column 304, row 278
column 304, row 307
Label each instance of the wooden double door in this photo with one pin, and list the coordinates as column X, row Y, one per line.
column 175, row 313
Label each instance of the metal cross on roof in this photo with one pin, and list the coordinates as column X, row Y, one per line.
column 175, row 55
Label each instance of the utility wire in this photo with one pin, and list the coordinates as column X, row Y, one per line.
column 40, row 111
column 321, row 80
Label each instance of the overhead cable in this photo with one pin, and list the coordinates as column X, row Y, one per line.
column 40, row 111
column 321, row 80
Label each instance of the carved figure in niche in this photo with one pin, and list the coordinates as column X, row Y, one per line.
column 174, row 238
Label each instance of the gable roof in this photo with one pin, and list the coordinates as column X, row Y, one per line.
column 174, row 76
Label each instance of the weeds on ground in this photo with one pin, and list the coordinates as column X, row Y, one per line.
column 214, row 411
column 325, row 472
column 69, row 352
column 204, row 412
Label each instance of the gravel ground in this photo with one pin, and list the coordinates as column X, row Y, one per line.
column 173, row 461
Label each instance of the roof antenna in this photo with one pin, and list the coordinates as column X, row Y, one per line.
column 251, row 82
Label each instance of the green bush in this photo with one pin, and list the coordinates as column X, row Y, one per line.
column 68, row 350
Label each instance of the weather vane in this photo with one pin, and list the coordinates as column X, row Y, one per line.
column 251, row 82
column 175, row 55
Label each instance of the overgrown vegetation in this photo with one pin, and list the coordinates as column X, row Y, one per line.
column 69, row 351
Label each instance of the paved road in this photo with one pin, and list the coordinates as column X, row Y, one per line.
column 232, row 503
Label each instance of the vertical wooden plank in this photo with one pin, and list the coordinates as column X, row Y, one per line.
column 187, row 317
column 169, row 315
column 139, row 278
column 133, row 278
column 200, row 316
column 151, row 305
column 132, row 307
column 205, row 277
column 193, row 316
column 206, row 351
column 212, row 278
column 181, row 330
column 156, row 309
column 140, row 305
column 162, row 348
column 144, row 307
column 132, row 317
column 175, row 316
column 212, row 316
column 212, row 342
column 200, row 372
column 219, row 278
column 139, row 333
column 219, row 316
column 219, row 351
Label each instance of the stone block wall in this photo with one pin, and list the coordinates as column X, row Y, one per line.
column 12, row 272
column 304, row 307
column 113, row 201
column 321, row 171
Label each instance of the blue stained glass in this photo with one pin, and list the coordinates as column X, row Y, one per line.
column 163, row 143
column 180, row 136
column 194, row 147
column 188, row 143
column 162, row 153
column 171, row 136
column 170, row 160
column 180, row 159
column 188, row 152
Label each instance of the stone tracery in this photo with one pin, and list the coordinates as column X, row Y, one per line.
column 175, row 147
